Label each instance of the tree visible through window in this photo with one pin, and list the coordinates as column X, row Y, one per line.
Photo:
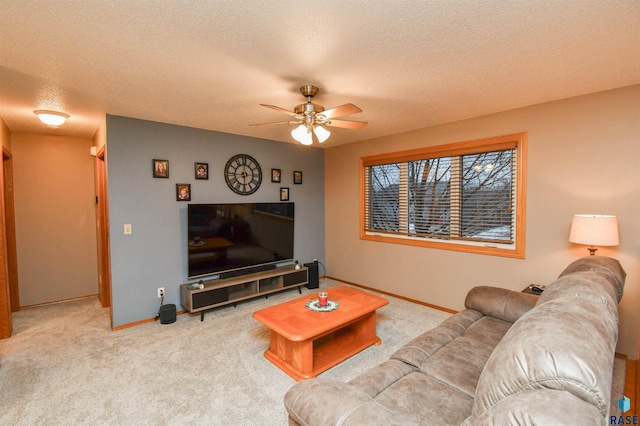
column 467, row 196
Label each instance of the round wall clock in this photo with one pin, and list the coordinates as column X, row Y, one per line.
column 243, row 174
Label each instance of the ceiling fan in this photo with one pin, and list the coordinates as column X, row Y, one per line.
column 311, row 117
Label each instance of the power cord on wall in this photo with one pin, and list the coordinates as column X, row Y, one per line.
column 160, row 308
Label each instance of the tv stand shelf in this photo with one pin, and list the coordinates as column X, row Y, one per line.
column 226, row 291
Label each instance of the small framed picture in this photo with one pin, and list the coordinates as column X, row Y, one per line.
column 160, row 168
column 202, row 170
column 284, row 194
column 183, row 192
column 276, row 175
column 297, row 178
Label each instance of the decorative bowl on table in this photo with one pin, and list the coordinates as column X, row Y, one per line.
column 315, row 306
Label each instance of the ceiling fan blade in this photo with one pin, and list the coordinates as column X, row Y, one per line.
column 341, row 110
column 277, row 108
column 347, row 124
column 274, row 122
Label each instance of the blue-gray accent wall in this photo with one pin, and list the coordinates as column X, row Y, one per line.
column 154, row 254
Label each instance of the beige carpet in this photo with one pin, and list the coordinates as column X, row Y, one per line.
column 64, row 365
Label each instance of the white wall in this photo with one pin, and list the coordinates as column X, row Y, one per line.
column 55, row 217
column 583, row 157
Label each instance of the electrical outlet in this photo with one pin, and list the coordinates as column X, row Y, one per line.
column 160, row 292
column 127, row 229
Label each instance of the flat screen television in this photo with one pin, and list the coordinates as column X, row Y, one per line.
column 230, row 239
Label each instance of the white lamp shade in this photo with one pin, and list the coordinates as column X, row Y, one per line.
column 594, row 230
column 51, row 118
column 321, row 133
column 302, row 135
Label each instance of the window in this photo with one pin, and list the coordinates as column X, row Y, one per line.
column 467, row 196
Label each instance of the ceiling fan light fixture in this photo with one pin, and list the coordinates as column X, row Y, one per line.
column 302, row 135
column 311, row 118
column 51, row 118
column 321, row 133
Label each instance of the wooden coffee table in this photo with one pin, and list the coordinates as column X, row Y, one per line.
column 305, row 343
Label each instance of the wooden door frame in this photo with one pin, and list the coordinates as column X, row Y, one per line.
column 10, row 224
column 6, row 325
column 102, row 226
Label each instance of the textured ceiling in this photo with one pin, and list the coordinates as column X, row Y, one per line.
column 209, row 64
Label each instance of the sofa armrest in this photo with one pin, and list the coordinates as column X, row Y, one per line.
column 327, row 402
column 501, row 303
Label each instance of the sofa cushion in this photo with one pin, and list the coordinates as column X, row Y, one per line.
column 417, row 351
column 419, row 396
column 460, row 363
column 378, row 378
column 488, row 330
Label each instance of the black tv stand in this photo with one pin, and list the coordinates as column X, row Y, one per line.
column 226, row 291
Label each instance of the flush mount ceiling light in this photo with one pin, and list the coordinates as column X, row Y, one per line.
column 310, row 116
column 51, row 118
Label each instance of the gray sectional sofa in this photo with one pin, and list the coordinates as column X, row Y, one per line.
column 508, row 358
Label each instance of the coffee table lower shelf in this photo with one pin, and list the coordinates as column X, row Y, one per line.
column 305, row 359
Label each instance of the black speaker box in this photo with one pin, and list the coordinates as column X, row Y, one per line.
column 314, row 282
column 167, row 314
